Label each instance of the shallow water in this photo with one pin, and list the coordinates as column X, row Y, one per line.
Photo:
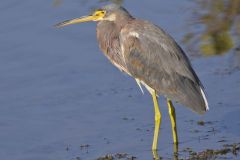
column 60, row 98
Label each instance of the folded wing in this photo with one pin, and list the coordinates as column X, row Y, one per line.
column 153, row 57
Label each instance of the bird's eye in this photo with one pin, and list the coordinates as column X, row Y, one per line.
column 99, row 13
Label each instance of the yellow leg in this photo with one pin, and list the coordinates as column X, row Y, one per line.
column 172, row 115
column 175, row 151
column 157, row 120
column 155, row 155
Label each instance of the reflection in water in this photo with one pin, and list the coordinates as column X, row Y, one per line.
column 219, row 23
column 175, row 153
column 236, row 59
column 155, row 155
column 56, row 3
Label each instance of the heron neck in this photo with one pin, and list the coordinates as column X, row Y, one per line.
column 120, row 22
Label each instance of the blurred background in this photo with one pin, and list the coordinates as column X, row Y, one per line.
column 60, row 98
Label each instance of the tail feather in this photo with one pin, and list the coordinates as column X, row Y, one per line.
column 205, row 99
column 189, row 94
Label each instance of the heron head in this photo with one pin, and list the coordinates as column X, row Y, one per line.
column 107, row 13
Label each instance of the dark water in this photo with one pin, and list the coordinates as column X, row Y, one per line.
column 60, row 98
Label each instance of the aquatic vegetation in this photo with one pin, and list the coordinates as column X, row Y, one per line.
column 231, row 150
column 117, row 156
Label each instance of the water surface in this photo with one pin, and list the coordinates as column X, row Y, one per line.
column 60, row 98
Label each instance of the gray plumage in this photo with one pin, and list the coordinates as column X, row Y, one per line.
column 151, row 56
column 147, row 53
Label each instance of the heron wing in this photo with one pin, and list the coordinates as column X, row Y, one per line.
column 153, row 57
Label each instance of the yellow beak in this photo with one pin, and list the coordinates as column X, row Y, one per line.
column 77, row 20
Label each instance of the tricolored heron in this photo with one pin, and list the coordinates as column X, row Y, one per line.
column 151, row 56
